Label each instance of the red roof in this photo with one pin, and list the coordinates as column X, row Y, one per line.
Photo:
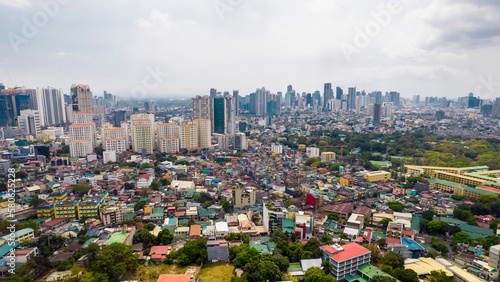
column 145, row 176
column 53, row 222
column 392, row 241
column 351, row 250
column 159, row 252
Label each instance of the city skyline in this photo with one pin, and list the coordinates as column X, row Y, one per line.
column 156, row 49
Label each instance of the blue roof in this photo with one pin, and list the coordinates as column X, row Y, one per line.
column 412, row 245
column 6, row 247
column 92, row 232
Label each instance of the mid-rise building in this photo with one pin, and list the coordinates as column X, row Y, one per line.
column 240, row 142
column 30, row 123
column 167, row 137
column 223, row 141
column 345, row 260
column 494, row 260
column 326, row 157
column 114, row 139
column 244, row 197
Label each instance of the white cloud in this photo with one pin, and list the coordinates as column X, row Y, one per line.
column 20, row 4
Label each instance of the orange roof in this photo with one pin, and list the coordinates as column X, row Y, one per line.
column 170, row 138
column 174, row 278
column 79, row 141
column 114, row 139
column 195, row 230
column 350, row 251
column 80, row 125
column 114, row 128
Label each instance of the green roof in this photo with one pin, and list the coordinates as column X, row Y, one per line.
column 18, row 234
column 371, row 271
column 128, row 216
column 468, row 188
column 116, row 238
column 202, row 212
column 356, row 277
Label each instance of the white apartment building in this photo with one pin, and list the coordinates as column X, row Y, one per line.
column 312, row 152
column 30, row 123
column 223, row 141
column 114, row 139
column 169, row 145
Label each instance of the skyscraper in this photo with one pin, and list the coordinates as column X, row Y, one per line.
column 150, row 106
column 351, row 98
column 236, row 101
column 240, row 142
column 339, row 93
column 395, row 98
column 12, row 102
column 119, row 116
column 168, row 140
column 218, row 115
column 81, row 98
column 377, row 111
column 50, row 103
column 213, row 92
column 327, row 94
column 202, row 107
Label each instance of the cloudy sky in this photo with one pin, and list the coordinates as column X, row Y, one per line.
column 184, row 48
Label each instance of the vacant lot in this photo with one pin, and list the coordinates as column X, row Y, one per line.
column 152, row 272
column 221, row 272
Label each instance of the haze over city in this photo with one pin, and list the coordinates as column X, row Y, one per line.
column 429, row 48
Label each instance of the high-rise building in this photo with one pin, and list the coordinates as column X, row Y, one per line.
column 223, row 141
column 218, row 115
column 168, row 140
column 236, row 101
column 30, row 123
column 261, row 96
column 114, row 139
column 213, row 92
column 416, row 99
column 377, row 112
column 204, row 135
column 395, row 98
column 188, row 136
column 81, row 98
column 142, row 127
column 202, row 107
column 339, row 93
column 150, row 106
column 119, row 116
column 387, row 109
column 327, row 94
column 351, row 98
column 240, row 142
column 12, row 102
column 50, row 103
column 82, row 135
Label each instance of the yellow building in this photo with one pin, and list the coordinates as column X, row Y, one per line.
column 45, row 210
column 19, row 236
column 346, row 180
column 148, row 210
column 88, row 207
column 59, row 195
column 302, row 146
column 458, row 189
column 66, row 209
column 375, row 176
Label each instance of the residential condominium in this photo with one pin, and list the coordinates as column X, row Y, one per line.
column 111, row 215
column 188, row 136
column 81, row 98
column 204, row 135
column 142, row 132
column 114, row 139
column 167, row 137
column 82, row 135
column 30, row 123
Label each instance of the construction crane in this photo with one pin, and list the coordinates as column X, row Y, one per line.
column 10, row 78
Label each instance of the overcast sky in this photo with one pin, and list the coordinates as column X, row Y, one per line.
column 432, row 48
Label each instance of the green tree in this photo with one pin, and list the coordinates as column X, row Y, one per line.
column 428, row 215
column 454, row 229
column 440, row 276
column 155, row 185
column 315, row 274
column 461, row 237
column 281, row 261
column 226, row 205
column 115, row 261
column 327, row 267
column 149, row 226
column 376, row 256
column 268, row 271
column 165, row 237
column 82, row 188
column 145, row 237
column 193, row 251
column 434, row 227
column 310, row 161
column 333, row 216
column 394, row 260
column 385, row 222
column 246, row 256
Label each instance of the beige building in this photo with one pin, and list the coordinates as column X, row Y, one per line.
column 111, row 215
column 204, row 133
column 142, row 132
column 169, row 145
column 244, row 197
column 81, row 98
column 114, row 139
column 326, row 157
column 82, row 135
column 188, row 136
